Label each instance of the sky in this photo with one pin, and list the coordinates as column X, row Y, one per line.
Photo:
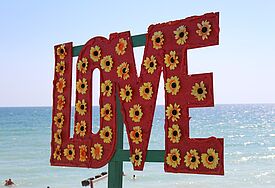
column 243, row 63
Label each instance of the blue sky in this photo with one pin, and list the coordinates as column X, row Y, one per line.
column 243, row 64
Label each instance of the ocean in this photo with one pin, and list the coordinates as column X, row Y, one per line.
column 248, row 131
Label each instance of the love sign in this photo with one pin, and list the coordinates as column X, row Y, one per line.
column 165, row 51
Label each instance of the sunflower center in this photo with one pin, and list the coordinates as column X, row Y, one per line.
column 107, row 63
column 210, row 159
column 174, row 112
column 204, row 29
column 172, row 60
column 59, row 120
column 136, row 134
column 136, row 157
column 175, row 133
column 95, row 53
column 107, row 88
column 200, row 91
column 127, row 93
column 61, row 68
column 181, row 34
column 174, row 85
column 107, row 134
column 193, row 159
column 137, row 113
column 158, row 40
column 107, row 112
column 147, row 90
column 83, row 65
column 82, row 85
column 82, row 128
column 124, row 70
column 58, row 152
column 151, row 64
column 82, row 107
column 61, row 51
column 70, row 152
column 174, row 158
column 58, row 136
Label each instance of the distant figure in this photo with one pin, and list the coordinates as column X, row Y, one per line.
column 8, row 182
column 134, row 177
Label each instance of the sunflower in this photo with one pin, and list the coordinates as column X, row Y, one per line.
column 69, row 152
column 59, row 120
column 126, row 93
column 199, row 91
column 192, row 159
column 174, row 133
column 181, row 35
column 57, row 136
column 123, row 71
column 171, row 60
column 204, row 29
column 106, row 134
column 82, row 86
column 95, row 53
column 121, row 46
column 60, row 68
column 83, row 153
column 210, row 159
column 136, row 135
column 136, row 113
column 60, row 102
column 106, row 63
column 158, row 40
column 106, row 88
column 146, row 91
column 106, row 112
column 61, row 51
column 173, row 112
column 81, row 107
column 82, row 65
column 80, row 128
column 150, row 64
column 96, row 151
column 60, row 85
column 136, row 158
column 57, row 153
column 172, row 85
column 173, row 158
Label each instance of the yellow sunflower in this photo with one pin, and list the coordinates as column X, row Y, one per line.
column 57, row 153
column 96, row 151
column 95, row 53
column 69, row 152
column 61, row 51
column 173, row 112
column 81, row 107
column 106, row 63
column 158, row 40
column 150, row 64
column 136, row 135
column 60, row 102
column 123, row 71
column 172, row 85
column 59, row 120
column 192, row 159
column 136, row 158
column 181, row 35
column 171, row 60
column 57, row 136
column 106, row 112
column 83, row 153
column 136, row 113
column 146, row 91
column 210, row 159
column 121, row 46
column 60, row 85
column 126, row 93
column 82, row 86
column 199, row 91
column 174, row 133
column 173, row 158
column 82, row 65
column 204, row 29
column 60, row 68
column 106, row 134
column 80, row 128
column 106, row 88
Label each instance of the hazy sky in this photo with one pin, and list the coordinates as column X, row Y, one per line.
column 243, row 64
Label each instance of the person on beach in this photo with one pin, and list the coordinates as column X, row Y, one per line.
column 8, row 182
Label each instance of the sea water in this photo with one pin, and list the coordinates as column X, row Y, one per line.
column 248, row 132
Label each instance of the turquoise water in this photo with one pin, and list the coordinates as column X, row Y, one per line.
column 248, row 130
